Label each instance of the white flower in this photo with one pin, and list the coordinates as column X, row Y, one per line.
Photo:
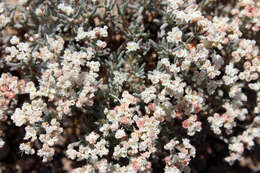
column 120, row 134
column 132, row 46
column 2, row 142
column 71, row 153
column 165, row 62
column 172, row 169
column 94, row 66
column 14, row 40
column 27, row 148
column 175, row 35
column 22, row 2
column 2, row 7
column 102, row 31
column 18, row 117
column 4, row 20
column 12, row 50
column 81, row 34
column 39, row 12
column 46, row 152
column 101, row 44
column 92, row 137
column 66, row 9
column 119, row 77
column 23, row 47
column 148, row 94
column 237, row 147
column 230, row 70
column 48, row 139
column 30, row 133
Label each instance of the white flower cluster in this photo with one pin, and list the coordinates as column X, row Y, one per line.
column 66, row 9
column 19, row 51
column 93, row 34
column 4, row 19
column 132, row 46
column 239, row 143
column 126, row 88
column 30, row 113
column 175, row 35
column 180, row 154
column 88, row 152
column 2, row 142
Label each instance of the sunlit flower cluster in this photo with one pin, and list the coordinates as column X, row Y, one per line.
column 123, row 87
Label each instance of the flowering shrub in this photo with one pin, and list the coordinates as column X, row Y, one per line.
column 139, row 81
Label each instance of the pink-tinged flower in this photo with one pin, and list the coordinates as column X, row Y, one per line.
column 185, row 124
column 136, row 165
column 252, row 11
column 198, row 124
column 149, row 166
column 4, row 76
column 125, row 120
column 151, row 133
column 256, row 28
column 167, row 160
column 14, row 78
column 197, row 108
column 254, row 76
column 10, row 95
column 151, row 106
column 194, row 118
column 225, row 41
column 4, row 88
column 247, row 65
column 116, row 108
column 223, row 28
column 161, row 119
column 178, row 115
column 225, row 116
column 140, row 123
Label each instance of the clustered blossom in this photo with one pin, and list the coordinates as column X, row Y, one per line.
column 20, row 51
column 174, row 36
column 30, row 113
column 66, row 9
column 238, row 144
column 10, row 87
column 4, row 19
column 2, row 142
column 122, row 87
column 92, row 34
column 180, row 154
column 192, row 125
column 132, row 46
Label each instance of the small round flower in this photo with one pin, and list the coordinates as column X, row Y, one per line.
column 2, row 142
column 92, row 137
column 22, row 2
column 66, row 9
column 71, row 153
column 101, row 44
column 27, row 148
column 132, row 46
column 120, row 134
column 175, row 35
column 14, row 40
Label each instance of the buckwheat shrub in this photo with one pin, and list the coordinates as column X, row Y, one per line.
column 130, row 86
